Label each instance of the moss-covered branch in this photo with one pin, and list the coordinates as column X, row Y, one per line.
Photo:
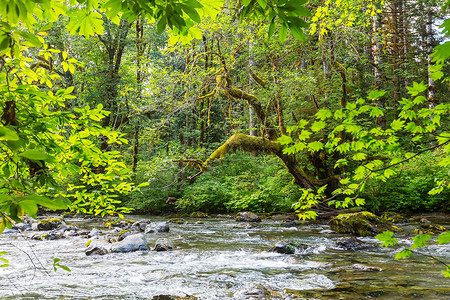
column 256, row 144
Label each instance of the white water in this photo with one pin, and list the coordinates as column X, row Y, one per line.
column 214, row 261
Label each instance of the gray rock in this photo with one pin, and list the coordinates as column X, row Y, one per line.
column 134, row 242
column 123, row 234
column 97, row 247
column 46, row 224
column 349, row 244
column 247, row 217
column 94, row 232
column 157, row 228
column 139, row 226
column 364, row 268
column 288, row 247
column 287, row 223
column 163, row 245
column 253, row 291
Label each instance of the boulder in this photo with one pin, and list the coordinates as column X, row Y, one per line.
column 289, row 223
column 131, row 243
column 47, row 224
column 288, row 247
column 392, row 217
column 247, row 217
column 349, row 244
column 361, row 224
column 120, row 223
column 426, row 228
column 97, row 247
column 48, row 236
column 157, row 228
column 177, row 221
column 140, row 225
column 163, row 245
column 123, row 234
column 198, row 214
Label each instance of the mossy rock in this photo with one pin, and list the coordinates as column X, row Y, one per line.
column 392, row 217
column 48, row 224
column 430, row 229
column 122, row 223
column 361, row 223
column 177, row 221
column 199, row 214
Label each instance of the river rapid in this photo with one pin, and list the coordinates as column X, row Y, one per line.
column 221, row 259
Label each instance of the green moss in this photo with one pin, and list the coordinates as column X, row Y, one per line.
column 117, row 223
column 199, row 215
column 360, row 223
column 392, row 217
column 48, row 221
column 430, row 229
column 177, row 221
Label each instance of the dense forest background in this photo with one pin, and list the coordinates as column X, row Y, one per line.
column 343, row 100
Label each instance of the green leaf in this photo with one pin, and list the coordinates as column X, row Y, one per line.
column 285, row 139
column 161, row 24
column 262, row 3
column 444, row 238
column 53, row 204
column 29, row 207
column 421, row 240
column 318, row 125
column 397, row 124
column 34, row 155
column 271, row 28
column 315, row 146
column 388, row 173
column 386, row 238
column 417, row 88
column 324, row 114
column 283, row 32
column 405, row 253
column 193, row 14
column 376, row 94
column 7, row 134
column 5, row 199
column 359, row 156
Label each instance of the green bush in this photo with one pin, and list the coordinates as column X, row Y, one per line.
column 242, row 182
column 408, row 191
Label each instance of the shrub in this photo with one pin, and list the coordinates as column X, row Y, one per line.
column 408, row 191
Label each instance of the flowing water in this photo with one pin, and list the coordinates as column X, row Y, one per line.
column 215, row 260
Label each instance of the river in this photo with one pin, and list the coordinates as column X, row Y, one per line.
column 215, row 260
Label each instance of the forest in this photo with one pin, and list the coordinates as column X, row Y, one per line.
column 114, row 108
column 224, row 106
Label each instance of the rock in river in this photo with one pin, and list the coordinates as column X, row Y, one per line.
column 362, row 223
column 157, row 228
column 349, row 244
column 163, row 245
column 46, row 224
column 134, row 242
column 247, row 217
